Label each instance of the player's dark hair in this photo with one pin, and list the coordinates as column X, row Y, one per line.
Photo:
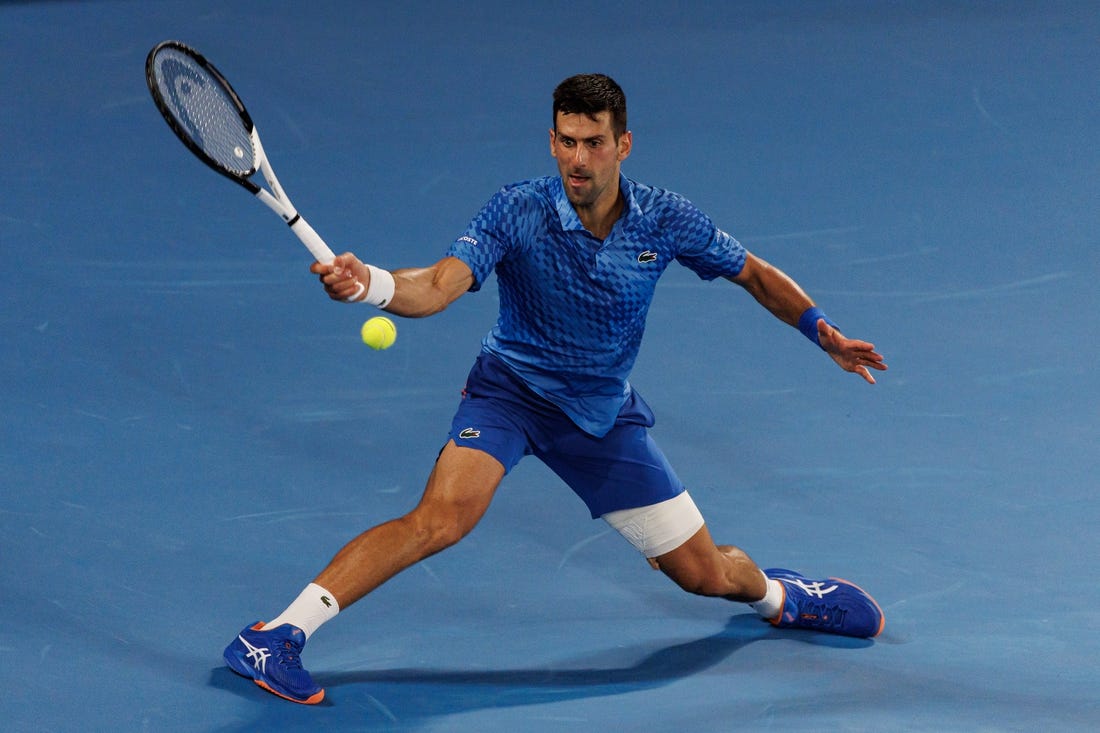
column 590, row 94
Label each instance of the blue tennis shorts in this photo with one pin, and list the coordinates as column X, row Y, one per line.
column 503, row 417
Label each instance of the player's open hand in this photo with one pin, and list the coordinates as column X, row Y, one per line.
column 852, row 355
column 345, row 278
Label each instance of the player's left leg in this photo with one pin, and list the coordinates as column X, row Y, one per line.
column 785, row 598
column 625, row 468
column 700, row 566
column 672, row 535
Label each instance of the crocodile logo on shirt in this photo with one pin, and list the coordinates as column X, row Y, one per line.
column 647, row 256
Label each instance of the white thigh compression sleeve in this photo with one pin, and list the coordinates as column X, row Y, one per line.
column 658, row 528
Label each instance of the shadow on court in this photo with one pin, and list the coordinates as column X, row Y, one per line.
column 404, row 697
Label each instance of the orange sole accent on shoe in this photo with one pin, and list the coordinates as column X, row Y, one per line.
column 311, row 700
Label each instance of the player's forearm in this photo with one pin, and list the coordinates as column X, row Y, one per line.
column 774, row 289
column 414, row 295
column 425, row 291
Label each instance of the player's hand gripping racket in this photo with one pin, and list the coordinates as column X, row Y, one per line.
column 210, row 119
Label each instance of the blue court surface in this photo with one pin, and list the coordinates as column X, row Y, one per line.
column 191, row 428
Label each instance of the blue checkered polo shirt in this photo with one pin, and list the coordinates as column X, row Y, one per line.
column 573, row 308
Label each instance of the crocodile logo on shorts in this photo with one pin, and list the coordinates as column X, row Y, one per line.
column 468, row 433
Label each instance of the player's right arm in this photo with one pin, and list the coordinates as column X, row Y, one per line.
column 418, row 291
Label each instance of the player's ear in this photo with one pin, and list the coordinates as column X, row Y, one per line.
column 626, row 140
column 552, row 151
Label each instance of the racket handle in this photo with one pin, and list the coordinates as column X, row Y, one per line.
column 312, row 240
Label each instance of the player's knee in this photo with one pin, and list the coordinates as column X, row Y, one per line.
column 437, row 530
column 438, row 535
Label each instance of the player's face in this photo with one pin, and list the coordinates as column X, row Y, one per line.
column 588, row 157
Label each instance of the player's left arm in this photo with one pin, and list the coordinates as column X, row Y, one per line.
column 787, row 301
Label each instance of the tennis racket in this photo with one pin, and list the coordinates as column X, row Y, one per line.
column 209, row 118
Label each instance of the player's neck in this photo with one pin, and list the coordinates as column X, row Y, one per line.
column 599, row 218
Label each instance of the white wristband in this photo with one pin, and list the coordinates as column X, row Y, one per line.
column 382, row 286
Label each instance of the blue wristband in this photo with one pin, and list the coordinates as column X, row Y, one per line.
column 807, row 323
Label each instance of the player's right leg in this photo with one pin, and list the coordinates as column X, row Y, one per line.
column 458, row 492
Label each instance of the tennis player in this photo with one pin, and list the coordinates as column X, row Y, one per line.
column 577, row 257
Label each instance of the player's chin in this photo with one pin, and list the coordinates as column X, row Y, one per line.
column 579, row 197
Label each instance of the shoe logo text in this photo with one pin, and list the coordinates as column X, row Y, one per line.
column 257, row 655
column 816, row 589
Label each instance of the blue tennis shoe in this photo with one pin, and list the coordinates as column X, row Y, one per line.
column 272, row 659
column 832, row 605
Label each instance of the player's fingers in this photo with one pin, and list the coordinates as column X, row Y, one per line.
column 863, row 365
column 345, row 263
column 857, row 345
column 333, row 275
column 359, row 290
column 861, row 350
column 345, row 288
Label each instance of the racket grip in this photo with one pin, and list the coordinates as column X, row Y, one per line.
column 312, row 240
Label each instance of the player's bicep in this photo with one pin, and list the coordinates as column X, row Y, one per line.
column 452, row 279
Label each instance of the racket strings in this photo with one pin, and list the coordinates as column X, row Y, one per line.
column 204, row 111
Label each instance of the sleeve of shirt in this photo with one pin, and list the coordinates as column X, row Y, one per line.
column 705, row 249
column 489, row 236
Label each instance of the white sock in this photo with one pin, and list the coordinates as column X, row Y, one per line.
column 772, row 603
column 313, row 607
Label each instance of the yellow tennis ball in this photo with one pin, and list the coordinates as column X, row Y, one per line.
column 379, row 333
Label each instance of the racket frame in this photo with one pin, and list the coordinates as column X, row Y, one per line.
column 275, row 199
